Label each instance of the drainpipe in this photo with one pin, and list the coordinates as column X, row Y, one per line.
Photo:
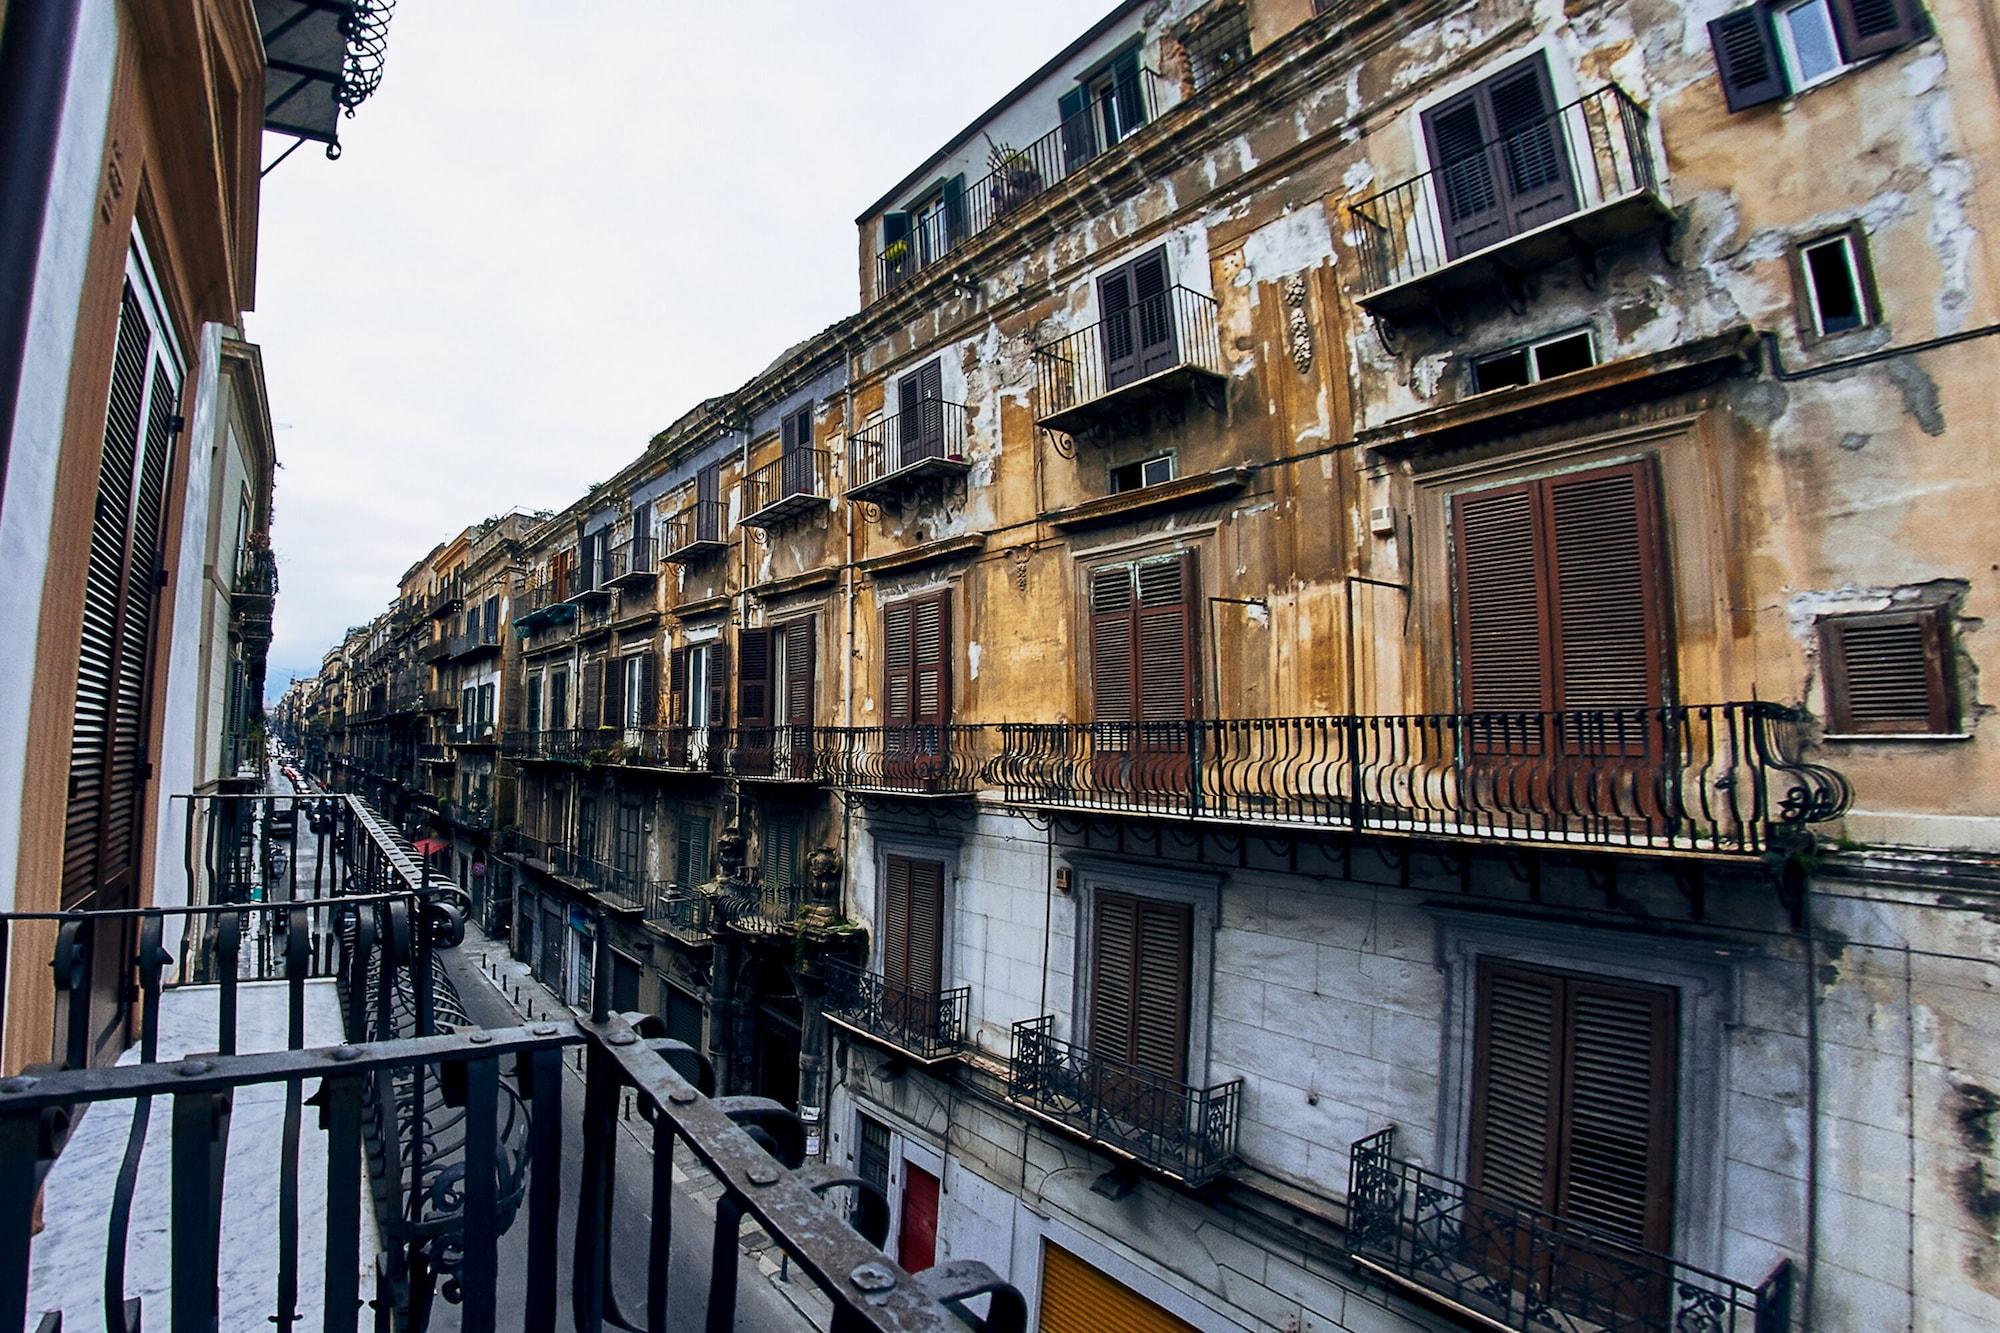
column 35, row 50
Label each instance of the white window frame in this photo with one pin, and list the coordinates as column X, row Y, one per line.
column 1534, row 346
column 1781, row 28
column 1845, row 241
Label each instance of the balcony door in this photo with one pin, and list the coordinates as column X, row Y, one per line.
column 920, row 415
column 1500, row 159
column 1141, row 958
column 917, row 666
column 1135, row 302
column 1142, row 676
column 1574, row 1085
column 1563, row 651
column 795, row 463
column 912, row 946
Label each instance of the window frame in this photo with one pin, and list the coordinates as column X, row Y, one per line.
column 1788, row 56
column 1529, row 347
column 1942, row 686
column 1164, row 456
column 1805, row 290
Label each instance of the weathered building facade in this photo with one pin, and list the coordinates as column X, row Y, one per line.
column 1380, row 618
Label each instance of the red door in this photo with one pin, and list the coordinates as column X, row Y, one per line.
column 916, row 1250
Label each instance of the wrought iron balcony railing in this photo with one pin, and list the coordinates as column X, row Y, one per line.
column 472, row 733
column 698, row 531
column 681, row 910
column 1159, row 349
column 631, row 563
column 927, row 1025
column 1185, row 1132
column 1578, row 179
column 256, row 582
column 570, row 745
column 788, row 753
column 475, row 639
column 1518, row 1267
column 1016, row 177
column 471, row 811
column 432, row 752
column 791, row 484
column 1711, row 778
column 447, row 597
column 909, row 760
column 681, row 749
column 923, row 446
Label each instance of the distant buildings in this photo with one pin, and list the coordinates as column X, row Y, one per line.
column 1352, row 695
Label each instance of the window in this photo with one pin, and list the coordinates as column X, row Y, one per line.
column 629, row 850
column 586, row 827
column 871, row 1157
column 708, row 495
column 1136, row 309
column 1499, row 159
column 591, row 714
column 1889, row 673
column 492, row 617
column 1148, row 472
column 641, row 685
column 795, row 466
column 1534, row 362
column 1219, row 47
column 1105, row 107
column 1573, row 1102
column 916, row 661
column 691, row 854
column 1836, row 286
column 486, row 693
column 1560, row 602
column 920, row 415
column 774, row 676
column 696, row 677
column 1767, row 50
column 781, row 849
column 1141, row 955
column 913, row 924
column 1142, row 659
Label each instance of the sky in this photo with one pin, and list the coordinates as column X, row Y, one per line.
column 556, row 227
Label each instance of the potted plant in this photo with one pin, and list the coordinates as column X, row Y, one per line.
column 1015, row 176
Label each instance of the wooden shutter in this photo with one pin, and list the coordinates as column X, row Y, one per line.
column 649, row 678
column 1875, row 27
column 1165, row 639
column 535, row 702
column 708, row 495
column 1746, row 57
column 1153, row 314
column 896, row 921
column 691, row 852
column 1114, row 694
column 1079, row 130
column 930, row 659
column 1573, row 1099
column 920, row 425
column 1605, row 569
column 614, row 691
column 718, row 684
column 1502, row 613
column 1889, row 672
column 677, row 679
column 753, row 678
column 1533, row 151
column 798, row 701
column 953, row 191
column 1126, row 92
column 779, row 852
column 1119, row 338
column 593, row 695
column 1472, row 211
column 898, row 663
column 1141, row 952
column 926, row 927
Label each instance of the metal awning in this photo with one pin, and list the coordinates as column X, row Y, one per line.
column 322, row 59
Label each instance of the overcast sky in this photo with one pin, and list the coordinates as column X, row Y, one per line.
column 559, row 225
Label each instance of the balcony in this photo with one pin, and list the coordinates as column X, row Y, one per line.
column 927, row 1026
column 1183, row 1132
column 910, row 451
column 440, row 649
column 792, row 484
column 573, row 745
column 694, row 750
column 433, row 753
column 683, row 912
column 255, row 586
column 479, row 638
column 696, row 533
column 439, row 700
column 1569, row 185
column 774, row 754
column 472, row 733
column 543, row 602
column 1513, row 1266
column 472, row 812
column 1016, row 176
column 447, row 597
column 946, row 761
column 631, row 564
column 1713, row 779
column 1159, row 353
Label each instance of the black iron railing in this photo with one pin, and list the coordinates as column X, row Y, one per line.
column 790, row 753
column 1187, row 1132
column 1177, row 329
column 787, row 485
column 1015, row 176
column 256, row 578
column 678, row 749
column 696, row 531
column 1588, row 154
column 449, row 595
column 1705, row 778
column 631, row 561
column 1522, row 1268
column 681, row 910
column 929, row 1025
column 475, row 638
column 472, row 811
column 929, row 437
column 432, row 752
column 909, row 760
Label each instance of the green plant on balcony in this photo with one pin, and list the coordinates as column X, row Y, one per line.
column 1016, row 178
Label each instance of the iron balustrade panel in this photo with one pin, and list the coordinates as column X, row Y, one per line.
column 788, row 753
column 1600, row 140
column 695, row 530
column 788, row 484
column 1015, row 177
column 1184, row 1131
column 945, row 760
column 256, row 575
column 630, row 561
column 1711, row 778
column 681, row 910
column 763, row 908
column 929, row 436
column 676, row 749
column 928, row 1024
column 1523, row 1268
column 1175, row 330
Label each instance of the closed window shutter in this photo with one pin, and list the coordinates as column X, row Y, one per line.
column 691, row 853
column 718, row 684
column 931, row 660
column 896, row 921
column 534, row 703
column 593, row 694
column 1114, row 936
column 1468, row 189
column 1113, row 687
column 649, row 676
column 1746, row 57
column 1533, row 155
column 898, row 664
column 1516, row 1085
column 753, row 678
column 926, row 967
column 954, row 209
column 1875, row 27
column 919, row 401
column 1165, row 647
column 780, row 851
column 1605, row 570
column 1140, row 952
column 1502, row 615
column 677, row 679
column 1121, row 346
column 614, row 691
column 799, row 672
column 1889, row 673
column 1125, row 90
column 1153, row 314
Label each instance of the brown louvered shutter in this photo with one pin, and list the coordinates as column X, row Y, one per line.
column 592, row 714
column 799, row 672
column 896, row 921
column 1608, row 629
column 930, row 659
column 1113, row 684
column 677, row 682
column 1888, row 673
column 718, row 684
column 1165, row 648
column 124, row 793
column 649, row 678
column 1746, row 57
column 614, row 691
column 1875, row 27
column 1473, row 213
column 1153, row 314
column 1533, row 159
column 1114, row 935
column 898, row 663
column 753, row 679
column 1502, row 613
column 926, row 927
column 1516, row 1085
column 1140, row 963
column 1119, row 336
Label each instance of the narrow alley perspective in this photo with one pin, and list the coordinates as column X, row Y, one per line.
column 1338, row 686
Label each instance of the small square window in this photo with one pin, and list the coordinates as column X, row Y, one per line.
column 1889, row 673
column 1148, row 472
column 1537, row 361
column 1835, row 284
